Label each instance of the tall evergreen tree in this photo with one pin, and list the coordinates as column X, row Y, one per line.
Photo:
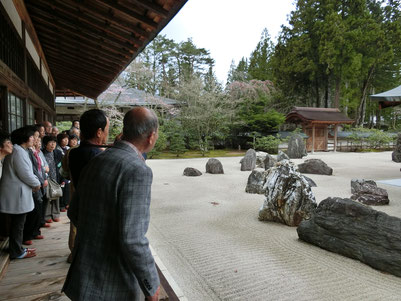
column 333, row 50
column 259, row 62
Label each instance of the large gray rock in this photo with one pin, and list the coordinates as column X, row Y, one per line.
column 214, row 166
column 396, row 155
column 260, row 159
column 256, row 181
column 270, row 161
column 315, row 166
column 367, row 192
column 191, row 172
column 357, row 231
column 249, row 160
column 296, row 147
column 289, row 198
column 282, row 156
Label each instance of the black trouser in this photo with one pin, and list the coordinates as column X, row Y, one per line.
column 43, row 213
column 33, row 221
column 65, row 199
column 16, row 233
column 5, row 222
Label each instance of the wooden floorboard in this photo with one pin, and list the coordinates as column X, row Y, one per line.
column 41, row 278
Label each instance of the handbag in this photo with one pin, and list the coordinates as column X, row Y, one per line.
column 54, row 190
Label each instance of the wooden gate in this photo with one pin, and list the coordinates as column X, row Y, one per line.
column 320, row 138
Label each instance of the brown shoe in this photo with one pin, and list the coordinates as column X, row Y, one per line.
column 56, row 220
column 49, row 220
column 39, row 237
column 27, row 242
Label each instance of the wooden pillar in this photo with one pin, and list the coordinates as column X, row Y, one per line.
column 313, row 138
column 378, row 117
column 335, row 137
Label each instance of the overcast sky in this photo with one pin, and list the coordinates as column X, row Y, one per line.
column 229, row 29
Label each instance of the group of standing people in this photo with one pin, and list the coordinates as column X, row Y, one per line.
column 29, row 159
column 110, row 205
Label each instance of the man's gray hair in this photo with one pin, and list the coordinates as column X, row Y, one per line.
column 139, row 124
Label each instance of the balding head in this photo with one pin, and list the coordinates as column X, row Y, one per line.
column 48, row 127
column 139, row 124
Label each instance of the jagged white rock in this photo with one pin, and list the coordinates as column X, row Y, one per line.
column 288, row 197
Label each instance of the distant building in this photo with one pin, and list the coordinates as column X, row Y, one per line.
column 70, row 108
column 69, row 48
column 316, row 124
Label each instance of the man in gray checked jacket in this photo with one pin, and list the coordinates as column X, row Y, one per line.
column 111, row 256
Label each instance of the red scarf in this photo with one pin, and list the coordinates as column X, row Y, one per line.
column 36, row 154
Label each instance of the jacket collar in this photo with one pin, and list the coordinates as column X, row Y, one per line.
column 125, row 145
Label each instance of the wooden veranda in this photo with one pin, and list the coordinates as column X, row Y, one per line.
column 315, row 123
column 52, row 48
column 41, row 278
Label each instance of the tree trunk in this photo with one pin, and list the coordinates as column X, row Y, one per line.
column 317, row 94
column 337, row 92
column 362, row 105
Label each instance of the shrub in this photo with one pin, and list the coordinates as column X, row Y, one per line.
column 161, row 144
column 268, row 144
column 379, row 138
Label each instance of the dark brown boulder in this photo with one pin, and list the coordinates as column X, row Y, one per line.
column 357, row 231
column 367, row 192
column 191, row 172
column 315, row 166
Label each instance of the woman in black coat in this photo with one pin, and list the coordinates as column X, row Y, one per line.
column 34, row 218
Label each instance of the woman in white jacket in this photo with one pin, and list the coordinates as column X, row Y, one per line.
column 16, row 186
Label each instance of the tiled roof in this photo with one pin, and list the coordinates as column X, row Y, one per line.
column 128, row 97
column 317, row 115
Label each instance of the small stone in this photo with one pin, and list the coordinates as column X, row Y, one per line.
column 191, row 172
column 269, row 162
column 367, row 192
column 396, row 154
column 371, row 199
column 260, row 159
column 315, row 166
column 362, row 186
column 214, row 166
column 249, row 160
column 296, row 147
column 256, row 181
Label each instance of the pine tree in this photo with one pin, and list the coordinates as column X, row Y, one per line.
column 259, row 63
